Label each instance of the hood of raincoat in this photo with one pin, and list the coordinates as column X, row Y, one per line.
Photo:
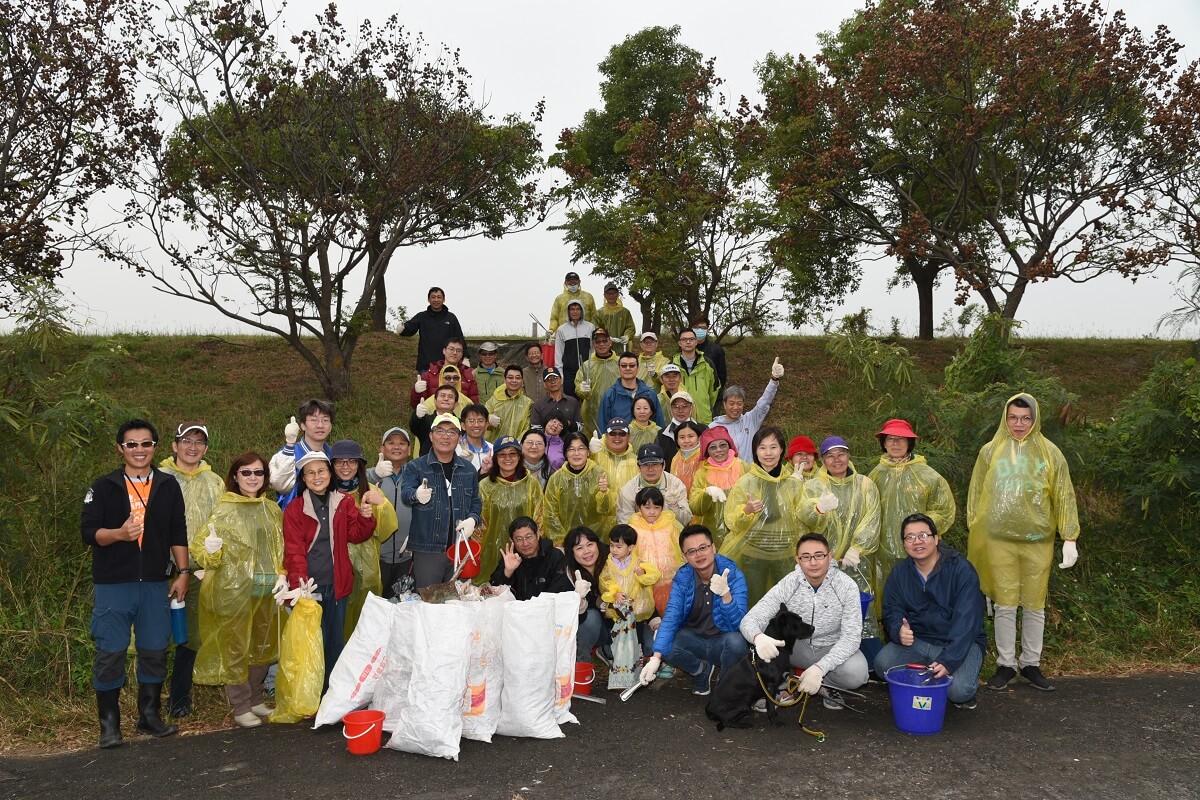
column 717, row 433
column 168, row 465
column 1034, row 431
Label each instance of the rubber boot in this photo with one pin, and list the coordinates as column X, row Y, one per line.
column 149, row 708
column 108, row 704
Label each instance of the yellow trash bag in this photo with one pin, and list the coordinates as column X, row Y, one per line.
column 301, row 664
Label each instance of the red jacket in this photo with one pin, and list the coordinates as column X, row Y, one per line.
column 300, row 531
column 431, row 376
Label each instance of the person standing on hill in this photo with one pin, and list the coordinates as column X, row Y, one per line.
column 744, row 424
column 533, row 370
column 614, row 317
column 1020, row 494
column 571, row 291
column 573, row 344
column 712, row 351
column 699, row 375
column 316, row 425
column 489, row 375
column 436, row 325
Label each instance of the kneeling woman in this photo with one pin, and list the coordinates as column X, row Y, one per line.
column 318, row 527
column 242, row 557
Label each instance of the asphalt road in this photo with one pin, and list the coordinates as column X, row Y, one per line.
column 1094, row 738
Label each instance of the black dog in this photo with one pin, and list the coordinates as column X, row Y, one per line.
column 739, row 686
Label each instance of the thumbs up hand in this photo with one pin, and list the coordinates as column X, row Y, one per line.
column 776, row 370
column 424, row 494
column 719, row 584
column 291, row 431
column 383, row 468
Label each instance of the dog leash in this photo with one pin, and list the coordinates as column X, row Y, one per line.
column 792, row 685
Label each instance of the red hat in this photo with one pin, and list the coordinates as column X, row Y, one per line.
column 897, row 427
column 801, row 444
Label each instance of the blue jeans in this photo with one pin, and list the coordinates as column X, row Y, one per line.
column 118, row 607
column 333, row 624
column 966, row 677
column 595, row 630
column 690, row 650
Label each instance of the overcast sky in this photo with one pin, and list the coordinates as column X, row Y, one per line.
column 523, row 52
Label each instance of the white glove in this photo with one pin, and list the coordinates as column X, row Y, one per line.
column 1070, row 554
column 827, row 502
column 586, row 387
column 596, row 444
column 422, row 410
column 766, row 647
column 719, row 584
column 424, row 494
column 651, row 370
column 291, row 431
column 212, row 543
column 200, row 573
column 851, row 559
column 383, row 468
column 810, row 681
column 282, row 593
column 716, row 493
column 582, row 586
column 420, row 386
column 465, row 528
column 777, row 370
column 281, row 585
column 650, row 671
column 466, row 362
column 494, row 420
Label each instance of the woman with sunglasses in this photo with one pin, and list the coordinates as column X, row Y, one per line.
column 242, row 559
column 716, row 475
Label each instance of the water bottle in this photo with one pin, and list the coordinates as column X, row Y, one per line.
column 179, row 622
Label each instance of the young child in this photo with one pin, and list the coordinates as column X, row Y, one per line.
column 625, row 582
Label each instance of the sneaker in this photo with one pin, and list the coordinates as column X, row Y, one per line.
column 785, row 698
column 832, row 699
column 247, row 720
column 1001, row 678
column 604, row 659
column 1034, row 675
column 966, row 705
column 760, row 706
column 702, row 682
column 262, row 710
column 666, row 672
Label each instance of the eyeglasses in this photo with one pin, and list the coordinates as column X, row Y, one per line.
column 452, row 379
column 1023, row 420
column 528, row 537
column 818, row 557
column 718, row 445
column 443, row 432
column 146, row 445
column 686, row 339
column 247, row 473
column 192, row 442
column 450, row 349
column 913, row 538
column 695, row 551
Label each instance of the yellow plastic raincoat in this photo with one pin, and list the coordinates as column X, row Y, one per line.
column 1021, row 493
column 907, row 487
column 462, row 402
column 657, row 362
column 685, row 468
column 364, row 560
column 601, row 373
column 617, row 320
column 573, row 499
column 636, row 588
column 705, row 510
column 239, row 621
column 512, row 411
column 201, row 489
column 640, row 434
column 504, row 501
column 659, row 544
column 621, row 469
column 854, row 523
column 763, row 544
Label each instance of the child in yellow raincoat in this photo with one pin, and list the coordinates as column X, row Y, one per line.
column 627, row 580
column 658, row 540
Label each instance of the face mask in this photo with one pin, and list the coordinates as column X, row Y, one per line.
column 572, row 287
column 701, row 334
column 688, row 452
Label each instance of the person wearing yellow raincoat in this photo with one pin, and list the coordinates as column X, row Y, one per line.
column 642, row 428
column 579, row 494
column 350, row 476
column 1020, row 495
column 508, row 491
column 650, row 361
column 717, row 474
column 907, row 485
column 242, row 557
column 201, row 487
column 658, row 540
column 614, row 317
column 571, row 292
column 801, row 458
column 843, row 505
column 760, row 515
column 614, row 455
column 509, row 406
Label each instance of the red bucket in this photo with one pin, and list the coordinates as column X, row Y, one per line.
column 585, row 674
column 363, row 731
column 465, row 551
column 548, row 354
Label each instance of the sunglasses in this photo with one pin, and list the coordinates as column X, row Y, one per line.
column 146, row 445
column 257, row 473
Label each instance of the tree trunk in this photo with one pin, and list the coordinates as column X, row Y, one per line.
column 1013, row 300
column 335, row 377
column 924, row 277
column 379, row 309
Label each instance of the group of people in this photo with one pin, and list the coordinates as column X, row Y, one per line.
column 682, row 529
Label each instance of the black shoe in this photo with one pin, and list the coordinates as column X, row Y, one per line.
column 1002, row 678
column 108, row 706
column 149, row 711
column 1035, row 677
column 179, row 708
column 967, row 705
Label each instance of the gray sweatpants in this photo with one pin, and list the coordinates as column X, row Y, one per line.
column 850, row 674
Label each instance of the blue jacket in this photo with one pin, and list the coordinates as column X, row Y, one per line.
column 618, row 402
column 947, row 609
column 433, row 522
column 727, row 617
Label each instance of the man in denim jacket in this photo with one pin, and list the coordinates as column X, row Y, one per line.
column 442, row 489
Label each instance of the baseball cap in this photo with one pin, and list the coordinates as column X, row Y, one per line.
column 599, row 332
column 187, row 427
column 550, row 372
column 488, row 347
column 440, row 418
column 682, row 396
column 505, row 442
column 311, row 456
column 670, row 368
column 648, row 335
column 651, row 454
column 390, row 432
column 833, row 443
column 572, row 276
column 611, row 285
column 617, row 424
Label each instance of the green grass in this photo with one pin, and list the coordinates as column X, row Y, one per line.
column 1122, row 608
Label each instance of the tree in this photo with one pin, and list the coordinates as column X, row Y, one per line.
column 71, row 123
column 1009, row 146
column 667, row 194
column 302, row 173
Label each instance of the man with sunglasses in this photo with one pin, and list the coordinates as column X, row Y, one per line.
column 133, row 519
column 201, row 487
column 933, row 612
column 826, row 598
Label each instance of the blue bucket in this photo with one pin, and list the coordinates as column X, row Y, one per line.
column 918, row 708
column 865, row 600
